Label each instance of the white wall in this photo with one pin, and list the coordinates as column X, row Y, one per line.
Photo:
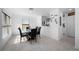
column 33, row 20
column 53, row 30
column 60, row 33
column 16, row 22
column 69, row 29
column 70, row 26
column 1, row 45
column 0, row 24
column 3, row 38
column 64, row 29
column 77, row 28
column 25, row 20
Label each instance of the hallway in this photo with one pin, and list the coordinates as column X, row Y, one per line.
column 42, row 44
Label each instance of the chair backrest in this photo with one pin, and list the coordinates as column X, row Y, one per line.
column 33, row 33
column 38, row 30
column 27, row 28
column 20, row 31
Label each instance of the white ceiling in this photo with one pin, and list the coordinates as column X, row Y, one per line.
column 35, row 11
column 26, row 11
column 43, row 11
column 67, row 10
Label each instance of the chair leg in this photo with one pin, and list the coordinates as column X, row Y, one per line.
column 39, row 36
column 35, row 39
column 20, row 39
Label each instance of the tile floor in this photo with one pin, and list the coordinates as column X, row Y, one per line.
column 42, row 44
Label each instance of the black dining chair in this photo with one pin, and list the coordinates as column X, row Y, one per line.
column 32, row 34
column 38, row 31
column 22, row 34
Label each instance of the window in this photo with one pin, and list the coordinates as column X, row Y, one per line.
column 6, row 25
column 24, row 26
